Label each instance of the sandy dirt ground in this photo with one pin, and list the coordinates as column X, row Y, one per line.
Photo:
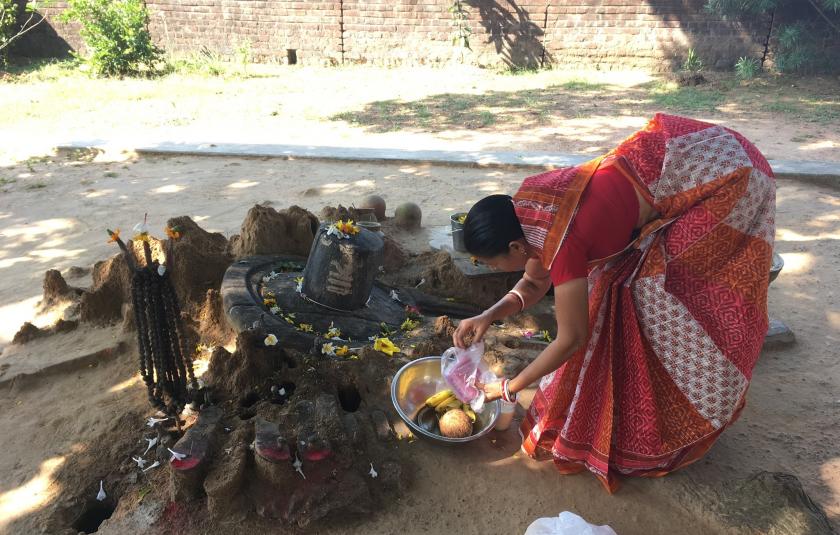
column 52, row 447
column 453, row 108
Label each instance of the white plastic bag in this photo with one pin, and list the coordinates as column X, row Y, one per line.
column 566, row 524
column 460, row 368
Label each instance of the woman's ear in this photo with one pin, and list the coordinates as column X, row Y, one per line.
column 516, row 248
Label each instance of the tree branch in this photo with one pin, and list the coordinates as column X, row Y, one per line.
column 823, row 15
column 23, row 30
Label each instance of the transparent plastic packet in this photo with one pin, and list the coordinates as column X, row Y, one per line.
column 460, row 368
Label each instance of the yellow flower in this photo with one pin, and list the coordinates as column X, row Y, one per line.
column 462, row 218
column 306, row 327
column 409, row 324
column 333, row 332
column 114, row 235
column 271, row 340
column 545, row 336
column 385, row 346
column 269, row 302
column 172, row 232
column 347, row 227
column 342, row 351
column 143, row 236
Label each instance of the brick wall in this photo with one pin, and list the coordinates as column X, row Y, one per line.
column 653, row 34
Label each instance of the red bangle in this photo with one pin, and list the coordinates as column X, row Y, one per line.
column 506, row 395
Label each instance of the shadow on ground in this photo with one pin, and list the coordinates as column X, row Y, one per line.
column 579, row 99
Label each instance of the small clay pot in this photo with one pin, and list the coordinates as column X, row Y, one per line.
column 373, row 226
column 365, row 214
column 408, row 216
column 377, row 204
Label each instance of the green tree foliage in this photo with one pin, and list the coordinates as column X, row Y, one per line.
column 800, row 42
column 11, row 25
column 116, row 35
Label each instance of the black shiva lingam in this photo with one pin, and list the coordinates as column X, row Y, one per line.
column 335, row 296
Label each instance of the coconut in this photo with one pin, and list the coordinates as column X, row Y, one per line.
column 377, row 204
column 408, row 216
column 455, row 424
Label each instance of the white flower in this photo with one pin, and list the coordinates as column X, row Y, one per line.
column 333, row 231
column 140, row 462
column 328, row 349
column 154, row 421
column 373, row 473
column 176, row 456
column 152, row 442
column 271, row 340
column 161, row 270
column 282, row 392
column 395, row 296
column 228, row 450
column 372, row 338
column 274, row 310
column 333, row 333
column 154, row 465
column 141, row 228
column 298, row 466
column 100, row 496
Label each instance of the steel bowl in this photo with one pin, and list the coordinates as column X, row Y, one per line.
column 777, row 266
column 418, row 380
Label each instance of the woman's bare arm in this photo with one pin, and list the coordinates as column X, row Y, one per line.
column 571, row 301
column 532, row 286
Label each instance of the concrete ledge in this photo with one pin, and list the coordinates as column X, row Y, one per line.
column 820, row 173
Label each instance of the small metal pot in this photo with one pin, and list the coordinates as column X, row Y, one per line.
column 458, row 232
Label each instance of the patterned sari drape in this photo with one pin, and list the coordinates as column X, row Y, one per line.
column 676, row 320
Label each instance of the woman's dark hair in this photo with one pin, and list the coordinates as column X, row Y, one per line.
column 490, row 226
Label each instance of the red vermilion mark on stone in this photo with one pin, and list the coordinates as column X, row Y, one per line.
column 185, row 464
column 316, row 454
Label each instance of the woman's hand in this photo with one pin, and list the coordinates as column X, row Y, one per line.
column 492, row 391
column 471, row 330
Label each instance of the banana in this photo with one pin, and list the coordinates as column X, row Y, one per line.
column 468, row 410
column 446, row 402
column 435, row 399
column 451, row 404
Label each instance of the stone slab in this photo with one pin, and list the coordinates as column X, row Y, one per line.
column 822, row 173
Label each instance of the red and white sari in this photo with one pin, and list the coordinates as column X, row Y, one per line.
column 676, row 320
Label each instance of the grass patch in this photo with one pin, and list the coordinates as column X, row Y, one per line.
column 486, row 118
column 809, row 110
column 6, row 181
column 36, row 185
column 578, row 84
column 111, row 174
column 672, row 96
column 513, row 70
column 465, row 111
column 45, row 70
column 781, row 107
